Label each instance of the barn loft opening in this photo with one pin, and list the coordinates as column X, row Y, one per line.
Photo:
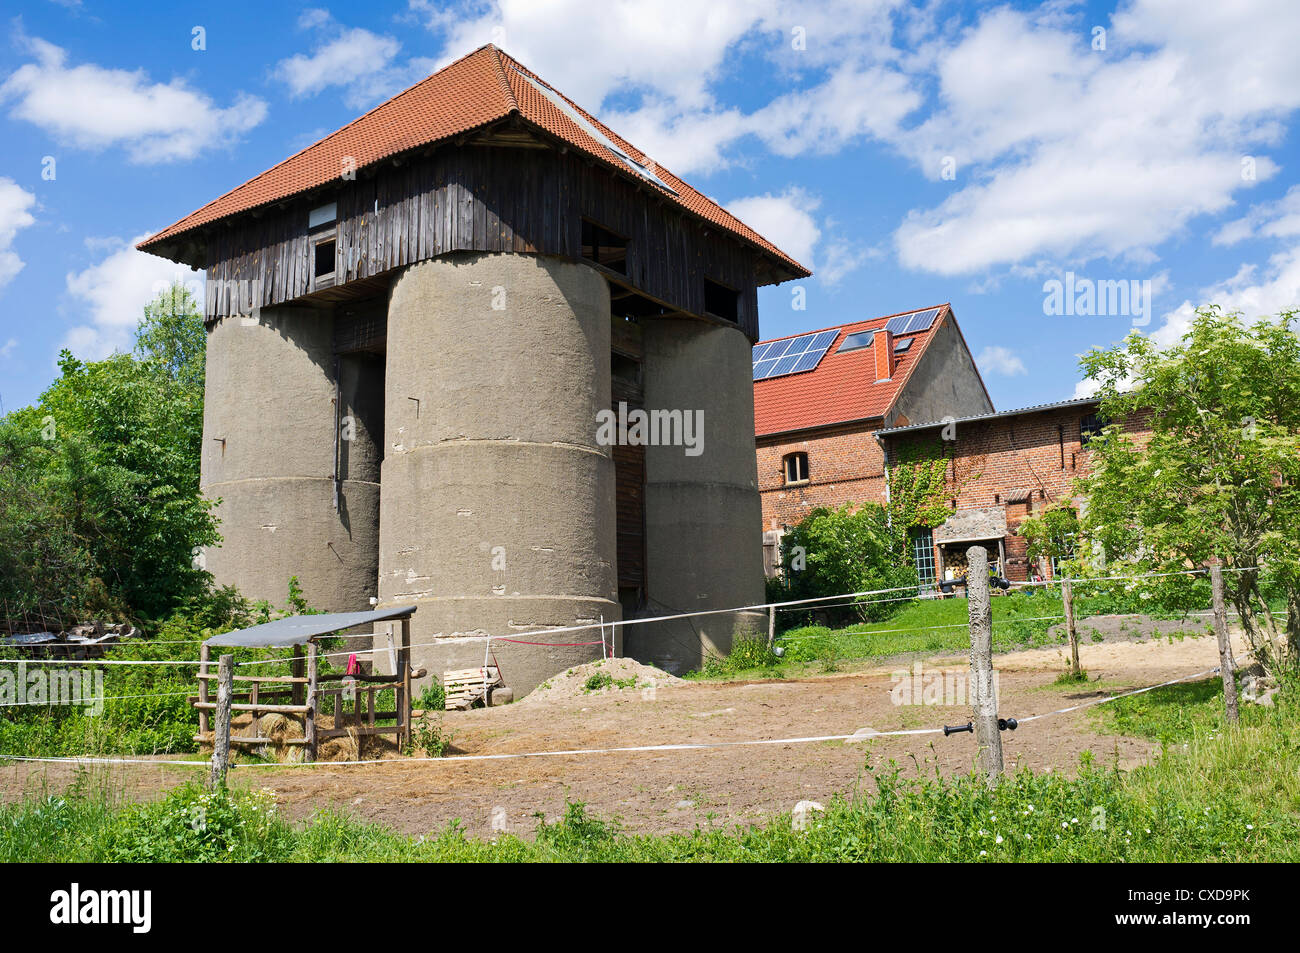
column 721, row 301
column 323, row 266
column 604, row 247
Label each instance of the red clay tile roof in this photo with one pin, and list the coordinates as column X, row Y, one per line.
column 476, row 90
column 842, row 387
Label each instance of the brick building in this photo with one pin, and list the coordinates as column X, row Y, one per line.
column 1002, row 468
column 820, row 397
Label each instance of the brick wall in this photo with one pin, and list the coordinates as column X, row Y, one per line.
column 845, row 465
column 1021, row 463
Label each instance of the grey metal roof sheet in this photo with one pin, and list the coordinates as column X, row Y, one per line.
column 300, row 629
column 1034, row 409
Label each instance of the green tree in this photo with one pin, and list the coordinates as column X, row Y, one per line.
column 1219, row 475
column 1051, row 535
column 171, row 337
column 100, row 509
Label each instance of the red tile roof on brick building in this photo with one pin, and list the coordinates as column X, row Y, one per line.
column 479, row 89
column 842, row 388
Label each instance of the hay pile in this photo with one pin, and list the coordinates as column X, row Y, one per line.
column 280, row 728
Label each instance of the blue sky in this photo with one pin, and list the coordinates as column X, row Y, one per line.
column 908, row 153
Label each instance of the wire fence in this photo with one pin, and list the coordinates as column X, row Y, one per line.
column 545, row 638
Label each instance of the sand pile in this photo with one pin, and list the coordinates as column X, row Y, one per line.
column 606, row 677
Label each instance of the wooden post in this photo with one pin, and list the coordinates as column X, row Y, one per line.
column 296, row 669
column 404, row 703
column 771, row 626
column 204, row 654
column 983, row 701
column 309, row 719
column 1067, row 597
column 1226, row 665
column 221, row 740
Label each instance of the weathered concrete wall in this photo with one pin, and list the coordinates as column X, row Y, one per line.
column 944, row 383
column 498, row 509
column 268, row 454
column 703, row 538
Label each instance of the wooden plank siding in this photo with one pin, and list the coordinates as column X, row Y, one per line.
column 480, row 198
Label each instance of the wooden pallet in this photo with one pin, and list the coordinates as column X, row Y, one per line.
column 464, row 687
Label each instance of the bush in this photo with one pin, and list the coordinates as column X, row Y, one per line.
column 833, row 552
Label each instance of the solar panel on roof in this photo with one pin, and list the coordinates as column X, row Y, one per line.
column 912, row 323
column 560, row 103
column 792, row 355
column 760, row 349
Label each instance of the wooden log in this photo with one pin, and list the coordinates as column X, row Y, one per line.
column 404, row 694
column 260, row 678
column 204, row 654
column 309, row 723
column 1067, row 599
column 983, row 700
column 221, row 739
column 299, row 677
column 260, row 706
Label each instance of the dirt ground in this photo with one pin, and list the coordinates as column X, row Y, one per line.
column 680, row 790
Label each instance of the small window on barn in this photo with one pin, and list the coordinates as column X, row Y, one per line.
column 604, row 247
column 322, row 216
column 721, row 301
column 322, row 231
column 1090, row 428
column 323, row 261
column 796, row 468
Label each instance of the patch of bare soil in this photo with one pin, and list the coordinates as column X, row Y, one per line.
column 608, row 676
column 683, row 789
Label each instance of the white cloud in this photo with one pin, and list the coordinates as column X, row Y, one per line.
column 851, row 104
column 996, row 359
column 1280, row 219
column 1077, row 154
column 840, row 257
column 1254, row 291
column 113, row 292
column 663, row 61
column 7, row 348
column 15, row 214
column 785, row 220
column 788, row 221
column 363, row 63
column 91, row 107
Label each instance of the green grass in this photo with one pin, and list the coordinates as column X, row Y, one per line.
column 1215, row 793
column 922, row 625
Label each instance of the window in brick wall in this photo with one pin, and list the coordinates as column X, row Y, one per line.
column 923, row 554
column 1090, row 427
column 796, row 468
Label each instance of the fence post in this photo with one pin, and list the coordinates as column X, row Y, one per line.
column 984, row 703
column 205, row 669
column 1226, row 665
column 1067, row 597
column 771, row 626
column 309, row 720
column 221, row 737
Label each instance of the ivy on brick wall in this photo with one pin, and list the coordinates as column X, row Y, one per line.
column 918, row 488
